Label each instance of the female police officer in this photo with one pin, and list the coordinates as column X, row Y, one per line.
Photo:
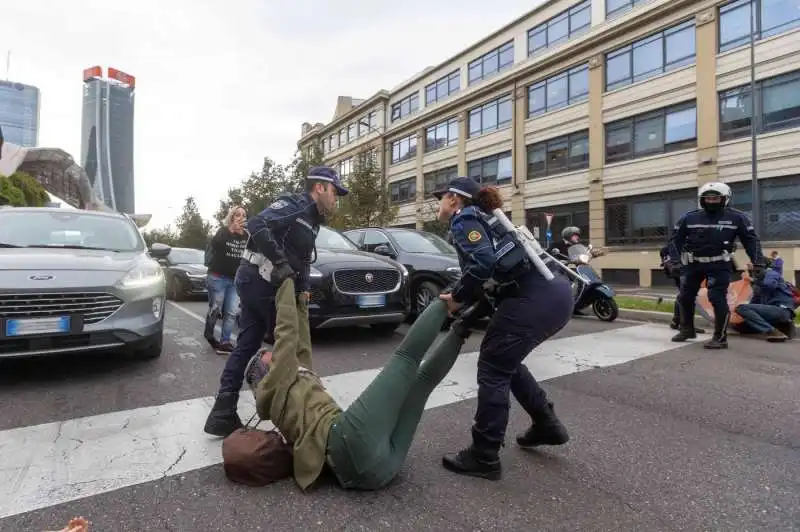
column 529, row 310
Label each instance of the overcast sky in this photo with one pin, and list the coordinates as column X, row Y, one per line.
column 220, row 85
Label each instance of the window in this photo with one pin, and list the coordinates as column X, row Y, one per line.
column 651, row 56
column 368, row 124
column 564, row 216
column 618, row 7
column 332, row 142
column 777, row 106
column 780, row 206
column 439, row 179
column 369, row 158
column 566, row 88
column 404, row 149
column 492, row 170
column 403, row 191
column 493, row 62
column 346, row 168
column 561, row 28
column 670, row 129
column 441, row 135
column 559, row 155
column 342, row 137
column 325, row 148
column 351, row 132
column 772, row 17
column 406, row 106
column 443, row 87
column 646, row 219
column 490, row 117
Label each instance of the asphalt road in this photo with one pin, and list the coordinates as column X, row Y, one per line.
column 664, row 437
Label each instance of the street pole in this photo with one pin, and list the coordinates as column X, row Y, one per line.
column 753, row 120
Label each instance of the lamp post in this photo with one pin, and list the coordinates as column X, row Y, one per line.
column 753, row 121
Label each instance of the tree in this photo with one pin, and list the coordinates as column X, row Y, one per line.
column 432, row 223
column 193, row 230
column 368, row 203
column 162, row 236
column 259, row 190
column 22, row 190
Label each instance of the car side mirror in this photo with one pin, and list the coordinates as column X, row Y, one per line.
column 160, row 251
column 383, row 249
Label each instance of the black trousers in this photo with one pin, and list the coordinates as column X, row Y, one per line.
column 717, row 280
column 521, row 322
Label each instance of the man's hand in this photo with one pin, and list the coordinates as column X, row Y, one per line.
column 303, row 298
column 452, row 306
column 280, row 273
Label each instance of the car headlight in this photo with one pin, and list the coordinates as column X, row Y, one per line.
column 584, row 258
column 196, row 275
column 143, row 274
column 315, row 273
column 454, row 271
column 404, row 270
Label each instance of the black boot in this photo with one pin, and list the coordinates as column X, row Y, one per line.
column 717, row 342
column 223, row 419
column 546, row 429
column 474, row 462
column 685, row 334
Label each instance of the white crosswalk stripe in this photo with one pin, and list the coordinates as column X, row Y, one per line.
column 53, row 463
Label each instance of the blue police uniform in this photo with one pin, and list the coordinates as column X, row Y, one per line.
column 529, row 309
column 281, row 244
column 703, row 243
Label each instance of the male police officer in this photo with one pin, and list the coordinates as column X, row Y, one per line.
column 703, row 242
column 280, row 246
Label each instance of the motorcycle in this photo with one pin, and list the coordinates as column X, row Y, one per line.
column 588, row 287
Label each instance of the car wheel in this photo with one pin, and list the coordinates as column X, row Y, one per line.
column 153, row 350
column 384, row 329
column 426, row 293
column 176, row 292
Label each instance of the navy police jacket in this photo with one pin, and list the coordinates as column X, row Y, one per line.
column 773, row 290
column 710, row 235
column 286, row 232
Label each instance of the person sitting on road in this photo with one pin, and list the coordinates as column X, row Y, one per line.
column 366, row 444
column 771, row 310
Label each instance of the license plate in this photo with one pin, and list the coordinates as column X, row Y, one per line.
column 37, row 326
column 371, row 301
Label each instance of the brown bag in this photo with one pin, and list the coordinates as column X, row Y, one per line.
column 256, row 457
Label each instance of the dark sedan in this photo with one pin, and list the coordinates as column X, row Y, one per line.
column 185, row 273
column 351, row 287
column 430, row 260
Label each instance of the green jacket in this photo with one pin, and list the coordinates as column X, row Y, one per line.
column 291, row 395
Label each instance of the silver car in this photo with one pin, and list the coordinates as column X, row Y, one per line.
column 75, row 281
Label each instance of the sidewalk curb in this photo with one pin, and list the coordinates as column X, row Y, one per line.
column 652, row 316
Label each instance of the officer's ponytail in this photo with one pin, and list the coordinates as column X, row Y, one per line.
column 489, row 199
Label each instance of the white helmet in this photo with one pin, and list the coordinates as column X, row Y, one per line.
column 714, row 189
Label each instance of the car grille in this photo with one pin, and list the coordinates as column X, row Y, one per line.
column 356, row 281
column 92, row 306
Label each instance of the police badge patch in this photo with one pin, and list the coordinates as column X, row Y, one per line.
column 280, row 204
column 473, row 236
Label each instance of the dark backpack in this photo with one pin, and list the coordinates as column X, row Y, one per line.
column 795, row 293
column 256, row 457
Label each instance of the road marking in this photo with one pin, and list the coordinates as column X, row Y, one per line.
column 186, row 311
column 53, row 463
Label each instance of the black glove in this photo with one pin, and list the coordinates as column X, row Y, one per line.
column 281, row 272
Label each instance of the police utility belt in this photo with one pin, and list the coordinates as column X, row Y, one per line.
column 689, row 258
column 265, row 265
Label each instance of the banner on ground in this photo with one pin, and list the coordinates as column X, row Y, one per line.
column 739, row 292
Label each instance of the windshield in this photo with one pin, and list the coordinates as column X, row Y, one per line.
column 187, row 256
column 418, row 242
column 68, row 228
column 576, row 250
column 327, row 238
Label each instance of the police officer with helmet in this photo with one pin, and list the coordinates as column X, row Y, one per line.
column 702, row 246
column 569, row 236
column 528, row 309
column 281, row 245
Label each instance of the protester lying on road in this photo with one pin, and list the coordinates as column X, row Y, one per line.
column 771, row 310
column 366, row 444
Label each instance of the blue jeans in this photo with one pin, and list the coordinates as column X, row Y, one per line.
column 222, row 301
column 763, row 318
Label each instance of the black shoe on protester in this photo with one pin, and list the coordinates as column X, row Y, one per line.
column 223, row 419
column 546, row 429
column 474, row 463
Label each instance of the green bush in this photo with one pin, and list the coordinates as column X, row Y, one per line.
column 10, row 194
column 33, row 191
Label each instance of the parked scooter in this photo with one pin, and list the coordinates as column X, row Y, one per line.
column 588, row 288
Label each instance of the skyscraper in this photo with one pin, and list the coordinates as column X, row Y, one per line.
column 19, row 113
column 107, row 136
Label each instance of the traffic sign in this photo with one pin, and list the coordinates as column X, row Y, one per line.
column 549, row 218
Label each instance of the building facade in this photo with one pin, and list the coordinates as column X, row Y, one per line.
column 107, row 136
column 19, row 113
column 603, row 114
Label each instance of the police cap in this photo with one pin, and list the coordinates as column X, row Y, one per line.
column 466, row 187
column 326, row 174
